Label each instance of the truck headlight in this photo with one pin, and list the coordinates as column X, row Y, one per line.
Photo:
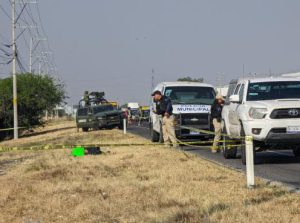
column 100, row 118
column 258, row 113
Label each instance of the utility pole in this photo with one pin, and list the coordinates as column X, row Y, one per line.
column 14, row 71
column 30, row 55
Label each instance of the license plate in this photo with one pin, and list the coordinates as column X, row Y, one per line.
column 82, row 120
column 293, row 129
column 194, row 133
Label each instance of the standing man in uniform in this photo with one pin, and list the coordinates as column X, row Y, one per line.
column 165, row 109
column 216, row 115
column 86, row 99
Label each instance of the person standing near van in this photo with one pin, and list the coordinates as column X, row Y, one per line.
column 165, row 109
column 216, row 115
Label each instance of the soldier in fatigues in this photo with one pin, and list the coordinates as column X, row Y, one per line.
column 86, row 99
column 165, row 109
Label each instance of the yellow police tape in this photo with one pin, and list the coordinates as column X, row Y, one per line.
column 210, row 132
column 194, row 144
column 8, row 129
column 218, row 147
column 61, row 146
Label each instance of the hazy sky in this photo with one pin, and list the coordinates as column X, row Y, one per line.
column 113, row 45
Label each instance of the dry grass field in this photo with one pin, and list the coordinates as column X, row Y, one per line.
column 129, row 184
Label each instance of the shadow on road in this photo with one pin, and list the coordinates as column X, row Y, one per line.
column 274, row 157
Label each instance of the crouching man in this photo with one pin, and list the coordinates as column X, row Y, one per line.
column 165, row 109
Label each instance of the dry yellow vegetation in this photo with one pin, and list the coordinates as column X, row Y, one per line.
column 129, row 184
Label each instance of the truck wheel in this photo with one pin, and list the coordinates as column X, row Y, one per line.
column 243, row 148
column 96, row 128
column 154, row 134
column 121, row 125
column 85, row 129
column 296, row 151
column 228, row 152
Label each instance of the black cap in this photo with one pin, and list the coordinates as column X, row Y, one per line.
column 156, row 92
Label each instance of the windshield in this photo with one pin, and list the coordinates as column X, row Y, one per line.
column 273, row 90
column 146, row 113
column 82, row 111
column 134, row 112
column 191, row 95
column 102, row 108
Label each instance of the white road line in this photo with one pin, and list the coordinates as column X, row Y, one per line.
column 278, row 153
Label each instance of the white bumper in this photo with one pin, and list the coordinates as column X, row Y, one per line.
column 271, row 129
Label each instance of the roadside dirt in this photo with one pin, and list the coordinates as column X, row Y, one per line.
column 151, row 184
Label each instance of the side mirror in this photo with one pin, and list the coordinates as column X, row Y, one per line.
column 234, row 98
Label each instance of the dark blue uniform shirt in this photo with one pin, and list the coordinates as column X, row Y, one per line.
column 164, row 105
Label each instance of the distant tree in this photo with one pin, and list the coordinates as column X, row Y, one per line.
column 191, row 79
column 36, row 93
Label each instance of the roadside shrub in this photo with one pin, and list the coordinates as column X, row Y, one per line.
column 36, row 93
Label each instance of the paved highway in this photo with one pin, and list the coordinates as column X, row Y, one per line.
column 277, row 165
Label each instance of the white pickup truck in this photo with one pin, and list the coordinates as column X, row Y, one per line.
column 268, row 109
column 191, row 107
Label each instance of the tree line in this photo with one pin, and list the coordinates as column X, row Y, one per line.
column 36, row 94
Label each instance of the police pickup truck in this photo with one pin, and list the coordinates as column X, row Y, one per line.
column 191, row 107
column 268, row 109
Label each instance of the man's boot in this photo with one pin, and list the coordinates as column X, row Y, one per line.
column 214, row 150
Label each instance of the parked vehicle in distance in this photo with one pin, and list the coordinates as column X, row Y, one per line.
column 191, row 107
column 133, row 105
column 95, row 112
column 222, row 91
column 98, row 117
column 268, row 109
column 145, row 113
column 134, row 112
column 114, row 104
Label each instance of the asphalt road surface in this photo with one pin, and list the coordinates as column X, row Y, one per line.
column 277, row 165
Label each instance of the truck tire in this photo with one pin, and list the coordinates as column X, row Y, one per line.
column 85, row 129
column 121, row 125
column 96, row 128
column 228, row 152
column 154, row 135
column 296, row 151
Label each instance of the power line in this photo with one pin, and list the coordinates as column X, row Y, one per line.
column 27, row 17
column 20, row 13
column 5, row 12
column 29, row 13
column 43, row 30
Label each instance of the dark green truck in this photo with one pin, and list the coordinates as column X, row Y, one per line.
column 99, row 117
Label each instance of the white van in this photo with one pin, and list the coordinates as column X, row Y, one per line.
column 134, row 110
column 191, row 107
